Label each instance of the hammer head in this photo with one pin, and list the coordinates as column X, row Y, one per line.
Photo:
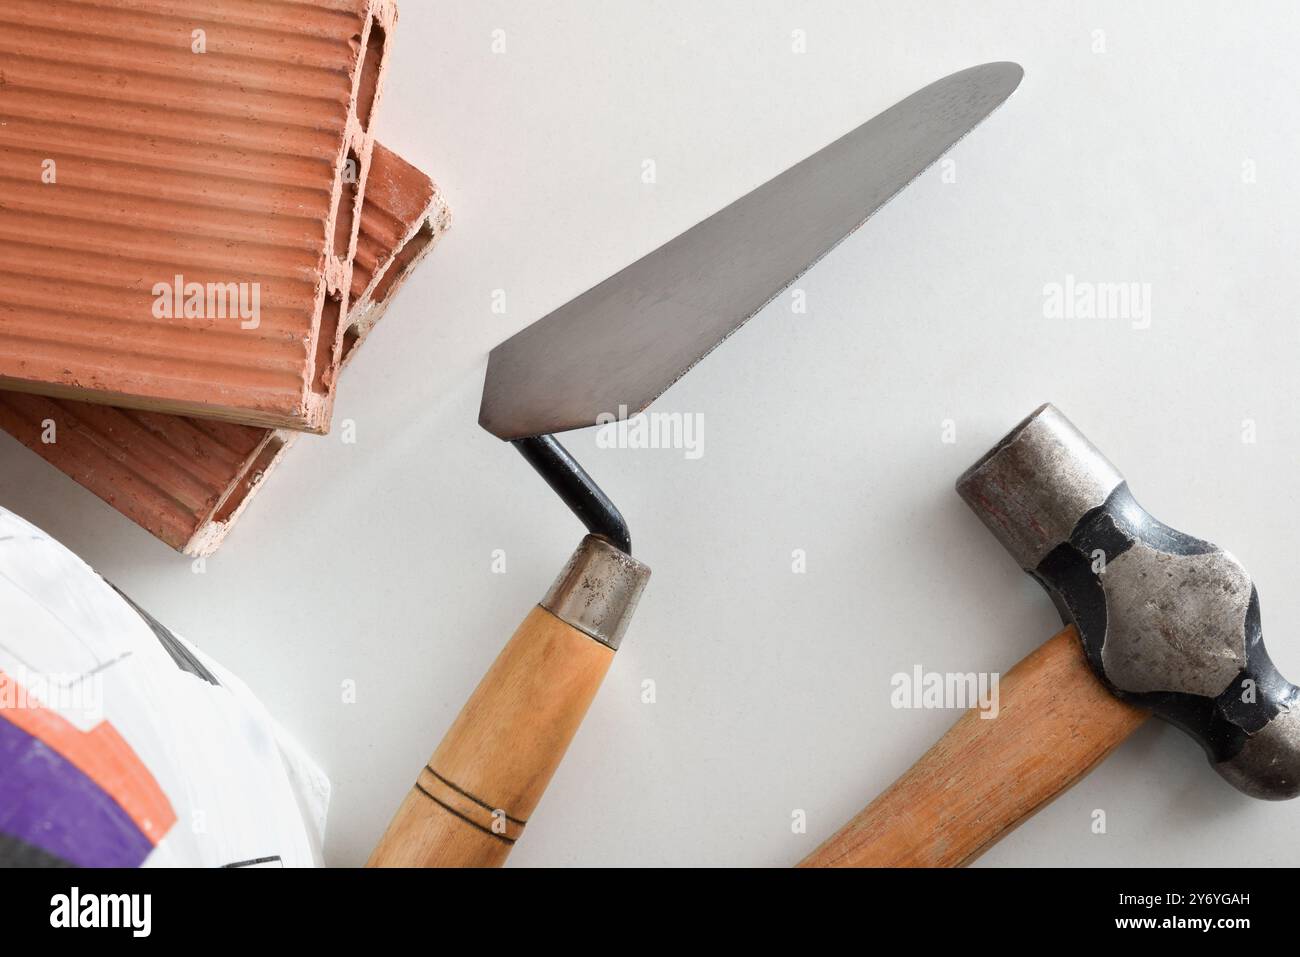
column 1168, row 622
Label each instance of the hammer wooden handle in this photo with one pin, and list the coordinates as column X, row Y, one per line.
column 985, row 776
column 471, row 801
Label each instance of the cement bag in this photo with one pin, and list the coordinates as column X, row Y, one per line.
column 122, row 745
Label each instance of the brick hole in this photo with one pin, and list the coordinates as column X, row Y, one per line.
column 408, row 254
column 329, row 329
column 347, row 210
column 371, row 64
column 250, row 479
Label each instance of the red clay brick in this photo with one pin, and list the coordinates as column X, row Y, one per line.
column 227, row 166
column 186, row 480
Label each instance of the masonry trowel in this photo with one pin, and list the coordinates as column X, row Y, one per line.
column 607, row 354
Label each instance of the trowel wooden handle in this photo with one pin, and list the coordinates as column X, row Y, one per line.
column 1055, row 721
column 472, row 800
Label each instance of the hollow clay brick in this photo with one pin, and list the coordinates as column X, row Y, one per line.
column 224, row 142
column 185, row 479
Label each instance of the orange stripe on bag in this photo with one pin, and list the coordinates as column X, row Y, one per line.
column 100, row 753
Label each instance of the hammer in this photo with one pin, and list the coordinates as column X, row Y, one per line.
column 1157, row 622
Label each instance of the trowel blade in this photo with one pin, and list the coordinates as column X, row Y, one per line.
column 614, row 349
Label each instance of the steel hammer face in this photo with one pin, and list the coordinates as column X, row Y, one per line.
column 1168, row 622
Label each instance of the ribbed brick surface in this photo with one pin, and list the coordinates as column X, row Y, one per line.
column 186, row 479
column 128, row 159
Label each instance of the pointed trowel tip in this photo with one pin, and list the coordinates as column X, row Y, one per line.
column 980, row 89
column 997, row 79
column 1009, row 73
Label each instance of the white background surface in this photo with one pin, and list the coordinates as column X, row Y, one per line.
column 371, row 562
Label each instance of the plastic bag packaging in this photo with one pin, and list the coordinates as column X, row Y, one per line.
column 122, row 745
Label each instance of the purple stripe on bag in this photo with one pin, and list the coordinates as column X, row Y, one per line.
column 48, row 803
